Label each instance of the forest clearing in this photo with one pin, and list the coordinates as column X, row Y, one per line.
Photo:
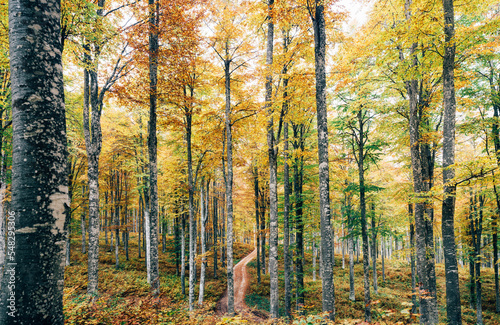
column 220, row 162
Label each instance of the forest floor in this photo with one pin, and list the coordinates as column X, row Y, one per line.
column 392, row 303
column 124, row 296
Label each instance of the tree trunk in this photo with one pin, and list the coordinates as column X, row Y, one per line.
column 453, row 308
column 424, row 238
column 263, row 232
column 183, row 254
column 82, row 224
column 273, row 181
column 412, row 260
column 328, row 292
column 152, row 148
column 192, row 221
column 298, row 174
column 215, row 229
column 256, row 193
column 374, row 252
column 93, row 144
column 36, row 236
column 477, row 261
column 286, row 217
column 362, row 207
column 203, row 222
column 314, row 254
column 229, row 189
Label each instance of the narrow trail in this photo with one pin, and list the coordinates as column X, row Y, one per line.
column 241, row 284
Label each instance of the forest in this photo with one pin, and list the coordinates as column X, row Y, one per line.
column 230, row 162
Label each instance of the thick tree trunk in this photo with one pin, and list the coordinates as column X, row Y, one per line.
column 36, row 236
column 152, row 148
column 328, row 292
column 273, row 181
column 424, row 238
column 453, row 308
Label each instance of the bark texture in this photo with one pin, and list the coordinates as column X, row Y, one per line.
column 453, row 308
column 33, row 278
column 328, row 293
column 152, row 149
column 229, row 189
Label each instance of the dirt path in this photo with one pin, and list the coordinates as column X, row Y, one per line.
column 241, row 284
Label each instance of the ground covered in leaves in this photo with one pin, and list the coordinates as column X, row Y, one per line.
column 124, row 292
column 391, row 305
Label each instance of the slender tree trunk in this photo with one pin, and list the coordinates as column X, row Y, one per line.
column 203, row 222
column 477, row 261
column 93, row 144
column 362, row 206
column 256, row 193
column 183, row 254
column 328, row 292
column 314, row 254
column 263, row 232
column 412, row 260
column 152, row 149
column 215, row 228
column 472, row 253
column 374, row 252
column 229, row 189
column 82, row 223
column 35, row 258
column 192, row 221
column 298, row 172
column 286, row 226
column 382, row 253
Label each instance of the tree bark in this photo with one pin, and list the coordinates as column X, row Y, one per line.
column 203, row 222
column 183, row 254
column 257, row 229
column 362, row 206
column 192, row 221
column 374, row 252
column 298, row 175
column 286, row 217
column 453, row 308
column 421, row 185
column 273, row 181
column 36, row 235
column 229, row 188
column 328, row 293
column 152, row 148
